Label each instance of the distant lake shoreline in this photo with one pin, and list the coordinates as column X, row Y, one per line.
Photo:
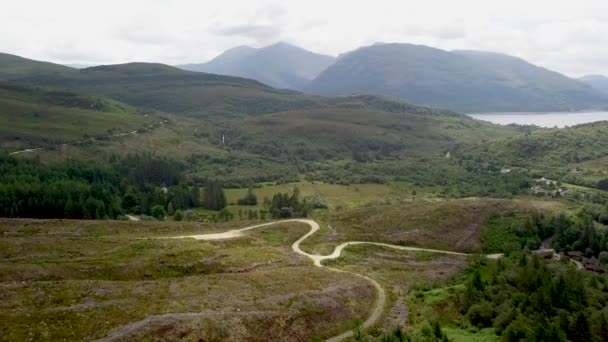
column 543, row 119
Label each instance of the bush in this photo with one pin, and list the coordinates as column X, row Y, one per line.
column 129, row 201
column 481, row 315
column 178, row 216
column 316, row 202
column 158, row 212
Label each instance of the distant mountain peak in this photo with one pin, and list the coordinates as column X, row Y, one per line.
column 281, row 65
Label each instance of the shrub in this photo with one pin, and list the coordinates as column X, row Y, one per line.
column 178, row 216
column 481, row 315
column 158, row 212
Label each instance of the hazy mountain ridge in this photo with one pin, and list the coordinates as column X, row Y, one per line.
column 598, row 82
column 279, row 65
column 467, row 81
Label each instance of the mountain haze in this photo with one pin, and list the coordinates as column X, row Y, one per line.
column 279, row 65
column 597, row 82
column 466, row 81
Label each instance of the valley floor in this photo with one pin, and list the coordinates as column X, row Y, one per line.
column 297, row 280
column 95, row 279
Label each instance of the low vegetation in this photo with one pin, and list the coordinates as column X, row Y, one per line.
column 87, row 279
column 457, row 225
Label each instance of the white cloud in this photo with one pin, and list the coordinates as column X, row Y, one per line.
column 568, row 36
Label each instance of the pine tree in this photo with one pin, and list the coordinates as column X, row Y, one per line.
column 580, row 329
column 214, row 197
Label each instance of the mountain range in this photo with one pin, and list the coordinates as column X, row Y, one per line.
column 237, row 129
column 465, row 81
column 462, row 81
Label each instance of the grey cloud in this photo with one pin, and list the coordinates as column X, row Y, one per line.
column 443, row 32
column 257, row 32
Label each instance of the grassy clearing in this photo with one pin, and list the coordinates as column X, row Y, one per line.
column 335, row 195
column 441, row 224
column 82, row 279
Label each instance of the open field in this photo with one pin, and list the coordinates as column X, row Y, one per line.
column 68, row 279
column 85, row 279
column 441, row 224
column 336, row 196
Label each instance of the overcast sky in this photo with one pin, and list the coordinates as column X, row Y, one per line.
column 570, row 36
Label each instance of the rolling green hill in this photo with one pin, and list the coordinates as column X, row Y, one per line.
column 574, row 154
column 158, row 87
column 279, row 65
column 34, row 117
column 15, row 67
column 464, row 81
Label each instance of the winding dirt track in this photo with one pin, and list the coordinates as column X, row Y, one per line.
column 318, row 259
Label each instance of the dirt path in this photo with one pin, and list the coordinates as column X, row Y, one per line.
column 132, row 218
column 318, row 260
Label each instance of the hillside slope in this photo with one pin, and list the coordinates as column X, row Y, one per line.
column 461, row 80
column 161, row 87
column 33, row 117
column 279, row 65
column 14, row 67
